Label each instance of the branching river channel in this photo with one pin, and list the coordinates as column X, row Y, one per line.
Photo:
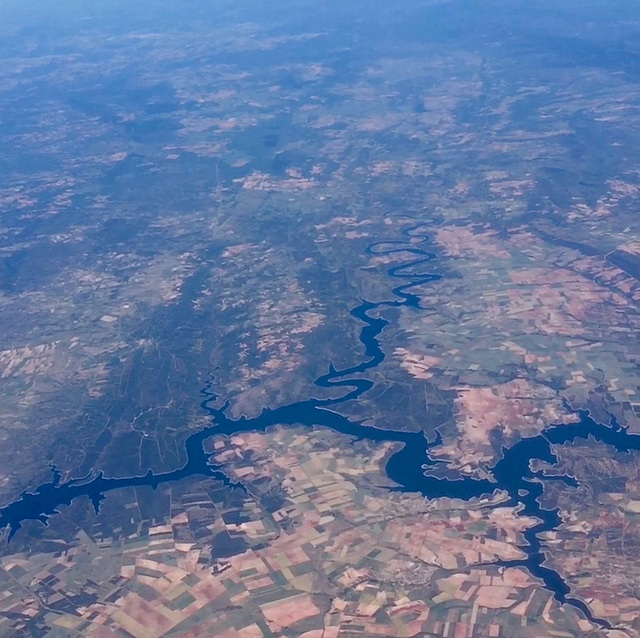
column 406, row 467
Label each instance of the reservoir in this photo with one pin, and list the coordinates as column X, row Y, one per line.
column 512, row 473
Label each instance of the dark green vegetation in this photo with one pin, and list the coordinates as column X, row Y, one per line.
column 205, row 191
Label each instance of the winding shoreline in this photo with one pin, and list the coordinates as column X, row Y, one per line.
column 405, row 467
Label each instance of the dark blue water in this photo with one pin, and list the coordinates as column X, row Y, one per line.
column 406, row 467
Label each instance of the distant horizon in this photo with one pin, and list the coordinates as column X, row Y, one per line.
column 319, row 319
